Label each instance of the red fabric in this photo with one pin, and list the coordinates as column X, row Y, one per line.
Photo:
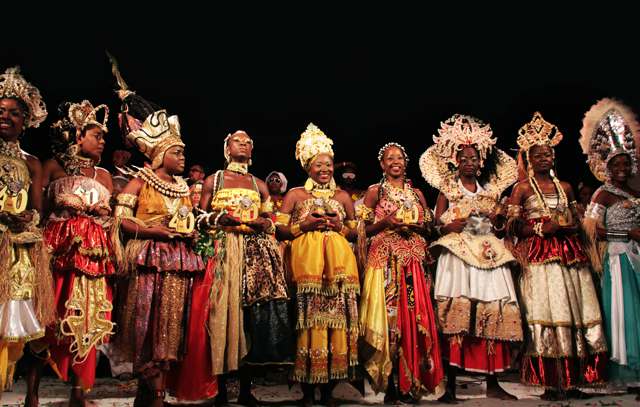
column 567, row 250
column 59, row 345
column 479, row 355
column 564, row 373
column 420, row 359
column 79, row 244
column 193, row 378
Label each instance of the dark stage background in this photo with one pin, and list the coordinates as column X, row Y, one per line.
column 363, row 85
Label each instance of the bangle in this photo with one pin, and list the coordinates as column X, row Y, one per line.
column 218, row 216
column 272, row 227
column 537, row 229
column 295, row 230
column 617, row 235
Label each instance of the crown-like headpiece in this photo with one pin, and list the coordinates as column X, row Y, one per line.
column 609, row 129
column 312, row 142
column 83, row 114
column 13, row 85
column 538, row 132
column 158, row 133
column 459, row 131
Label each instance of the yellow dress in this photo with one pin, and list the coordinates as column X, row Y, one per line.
column 26, row 291
column 325, row 275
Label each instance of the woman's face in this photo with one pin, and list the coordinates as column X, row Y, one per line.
column 91, row 142
column 393, row 162
column 541, row 158
column 620, row 168
column 12, row 117
column 321, row 169
column 174, row 160
column 468, row 162
column 240, row 146
column 274, row 183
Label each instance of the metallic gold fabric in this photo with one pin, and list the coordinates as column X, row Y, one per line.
column 562, row 311
column 481, row 251
column 86, row 320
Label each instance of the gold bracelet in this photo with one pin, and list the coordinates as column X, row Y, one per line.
column 295, row 230
column 282, row 218
column 537, row 229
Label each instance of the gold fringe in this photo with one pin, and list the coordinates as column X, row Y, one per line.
column 361, row 249
column 5, row 256
column 594, row 248
column 131, row 251
column 43, row 293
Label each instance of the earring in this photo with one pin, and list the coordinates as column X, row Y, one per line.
column 478, row 172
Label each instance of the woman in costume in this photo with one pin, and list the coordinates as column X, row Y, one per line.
column 396, row 316
column 26, row 288
column 248, row 313
column 78, row 194
column 565, row 342
column 154, row 212
column 612, row 221
column 318, row 218
column 477, row 306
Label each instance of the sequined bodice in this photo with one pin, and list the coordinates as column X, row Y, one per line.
column 241, row 203
column 623, row 215
column 154, row 207
column 302, row 209
column 90, row 190
column 393, row 199
column 534, row 209
column 14, row 184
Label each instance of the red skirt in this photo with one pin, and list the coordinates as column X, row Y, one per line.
column 479, row 355
column 193, row 378
column 564, row 373
column 79, row 244
column 420, row 359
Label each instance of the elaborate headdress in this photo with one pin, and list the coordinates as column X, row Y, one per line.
column 609, row 129
column 460, row 131
column 538, row 132
column 438, row 164
column 312, row 142
column 13, row 85
column 146, row 126
column 74, row 118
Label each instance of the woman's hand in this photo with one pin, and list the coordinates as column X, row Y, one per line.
column 455, row 226
column 314, row 222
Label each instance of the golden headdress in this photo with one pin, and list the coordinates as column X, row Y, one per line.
column 438, row 164
column 609, row 129
column 13, row 85
column 312, row 142
column 158, row 133
column 83, row 114
column 538, row 132
column 144, row 124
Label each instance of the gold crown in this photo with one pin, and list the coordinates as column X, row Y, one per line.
column 462, row 130
column 312, row 142
column 83, row 114
column 158, row 133
column 13, row 85
column 538, row 132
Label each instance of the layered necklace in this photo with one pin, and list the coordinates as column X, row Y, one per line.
column 321, row 191
column 240, row 168
column 563, row 202
column 177, row 189
column 11, row 149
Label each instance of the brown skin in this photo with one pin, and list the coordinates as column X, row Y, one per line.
column 12, row 122
column 468, row 166
column 172, row 164
column 393, row 165
column 542, row 162
column 620, row 170
column 239, row 148
column 91, row 142
column 274, row 183
column 321, row 171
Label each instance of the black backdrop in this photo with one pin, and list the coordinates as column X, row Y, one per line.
column 364, row 82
